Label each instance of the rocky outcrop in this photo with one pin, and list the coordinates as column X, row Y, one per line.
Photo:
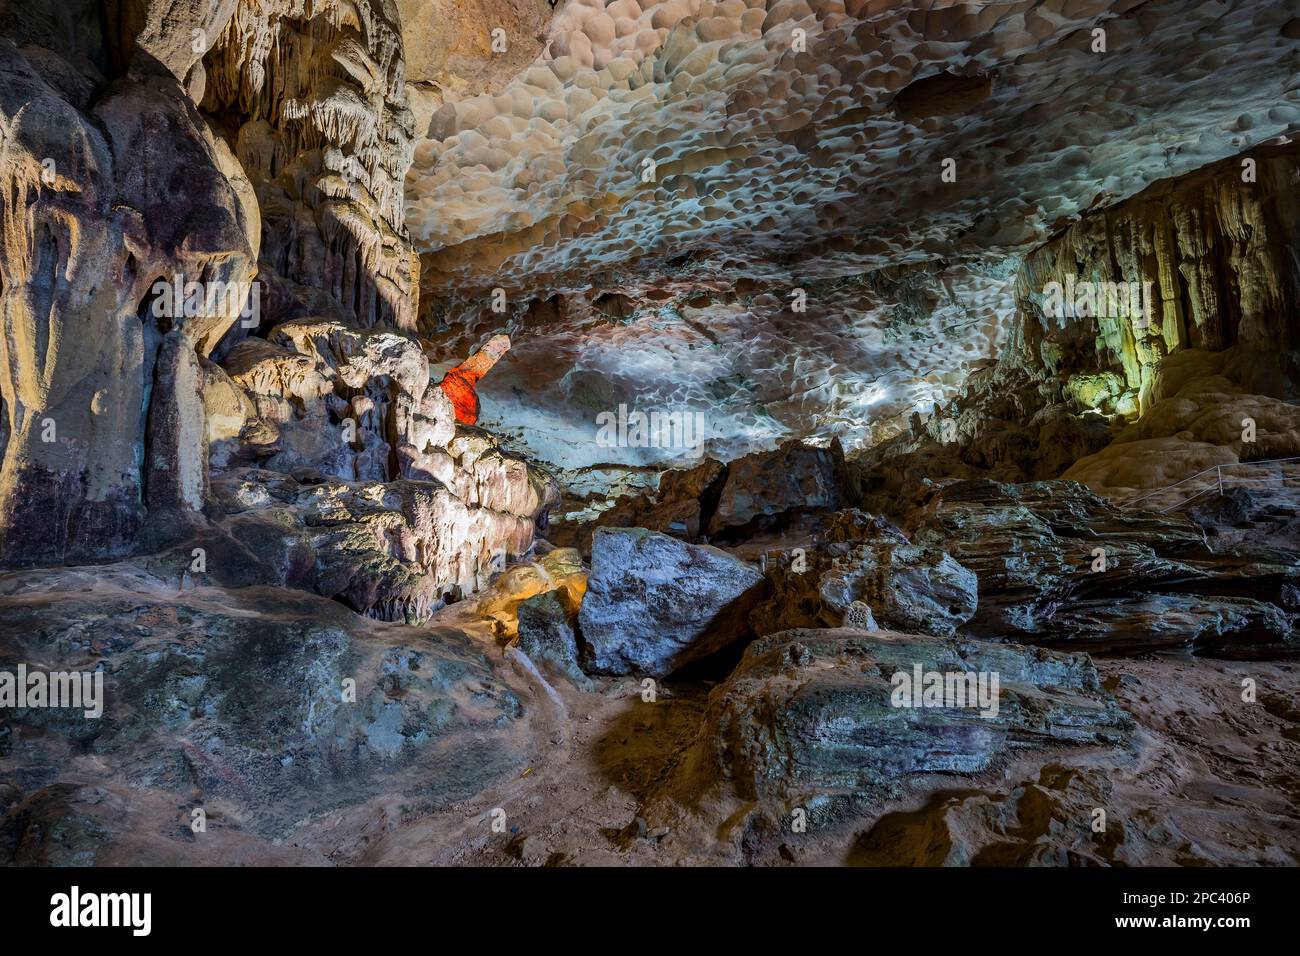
column 1009, row 423
column 262, row 708
column 1192, row 722
column 420, row 511
column 654, row 603
column 1060, row 566
column 824, row 712
column 396, row 551
column 906, row 588
column 351, row 403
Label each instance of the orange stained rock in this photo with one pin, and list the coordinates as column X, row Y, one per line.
column 459, row 384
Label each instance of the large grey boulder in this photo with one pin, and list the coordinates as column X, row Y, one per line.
column 654, row 603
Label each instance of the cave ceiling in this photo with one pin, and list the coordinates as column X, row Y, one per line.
column 652, row 184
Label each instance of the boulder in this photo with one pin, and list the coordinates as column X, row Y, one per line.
column 840, row 710
column 654, row 603
column 909, row 588
column 546, row 635
column 795, row 477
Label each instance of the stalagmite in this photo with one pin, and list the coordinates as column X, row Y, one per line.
column 460, row 383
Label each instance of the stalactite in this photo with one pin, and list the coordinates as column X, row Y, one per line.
column 320, row 90
column 1215, row 250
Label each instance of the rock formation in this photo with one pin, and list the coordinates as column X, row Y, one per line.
column 818, row 710
column 654, row 603
column 459, row 383
column 906, row 587
column 1059, row 566
column 245, row 288
column 1209, row 256
column 325, row 135
column 101, row 390
column 229, row 699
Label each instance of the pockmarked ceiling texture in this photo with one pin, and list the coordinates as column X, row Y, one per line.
column 754, row 149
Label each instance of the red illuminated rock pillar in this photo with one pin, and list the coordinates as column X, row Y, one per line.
column 459, row 384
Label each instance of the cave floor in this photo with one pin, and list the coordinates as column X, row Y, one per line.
column 1205, row 783
column 582, row 776
column 597, row 776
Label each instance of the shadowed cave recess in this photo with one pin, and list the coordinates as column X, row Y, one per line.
column 650, row 432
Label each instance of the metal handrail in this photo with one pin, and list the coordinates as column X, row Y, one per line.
column 1206, row 471
column 1220, row 481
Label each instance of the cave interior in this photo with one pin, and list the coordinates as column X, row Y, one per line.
column 650, row 432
